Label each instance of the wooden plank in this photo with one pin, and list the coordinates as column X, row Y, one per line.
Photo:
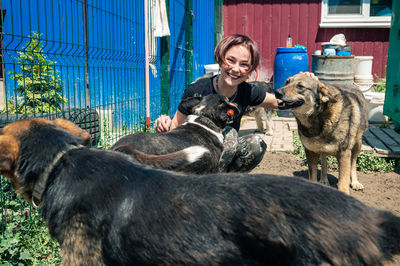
column 386, row 139
column 393, row 134
column 375, row 143
column 365, row 146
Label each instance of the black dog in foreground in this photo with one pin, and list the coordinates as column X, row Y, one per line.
column 195, row 146
column 104, row 208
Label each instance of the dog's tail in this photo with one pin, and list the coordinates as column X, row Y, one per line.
column 391, row 233
column 171, row 161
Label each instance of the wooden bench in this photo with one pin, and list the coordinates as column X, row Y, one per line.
column 384, row 142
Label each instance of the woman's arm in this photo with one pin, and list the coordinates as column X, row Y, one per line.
column 270, row 101
column 177, row 120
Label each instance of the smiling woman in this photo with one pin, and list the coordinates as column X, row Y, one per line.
column 237, row 56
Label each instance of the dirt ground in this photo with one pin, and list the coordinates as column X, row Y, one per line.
column 381, row 190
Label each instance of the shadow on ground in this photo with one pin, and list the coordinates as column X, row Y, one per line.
column 304, row 174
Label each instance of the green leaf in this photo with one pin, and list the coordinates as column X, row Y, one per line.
column 25, row 255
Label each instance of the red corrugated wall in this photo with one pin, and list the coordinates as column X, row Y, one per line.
column 269, row 22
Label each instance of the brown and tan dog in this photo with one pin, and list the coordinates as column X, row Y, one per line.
column 104, row 208
column 331, row 121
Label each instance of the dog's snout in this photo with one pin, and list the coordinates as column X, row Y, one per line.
column 279, row 93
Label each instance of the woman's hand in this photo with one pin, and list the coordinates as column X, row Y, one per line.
column 310, row 74
column 162, row 124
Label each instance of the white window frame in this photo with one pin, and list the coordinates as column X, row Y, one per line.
column 362, row 20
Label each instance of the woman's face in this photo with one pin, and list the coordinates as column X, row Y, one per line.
column 236, row 66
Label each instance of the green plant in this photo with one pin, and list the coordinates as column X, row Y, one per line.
column 298, row 147
column 108, row 137
column 143, row 127
column 380, row 84
column 25, row 239
column 368, row 162
column 38, row 88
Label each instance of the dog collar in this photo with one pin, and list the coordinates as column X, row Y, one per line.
column 41, row 184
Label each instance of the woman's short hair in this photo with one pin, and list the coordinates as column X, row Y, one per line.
column 237, row 39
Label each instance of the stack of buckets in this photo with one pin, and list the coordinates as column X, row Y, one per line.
column 362, row 72
column 288, row 62
column 364, row 80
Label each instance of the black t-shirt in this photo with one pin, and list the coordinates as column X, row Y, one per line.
column 247, row 95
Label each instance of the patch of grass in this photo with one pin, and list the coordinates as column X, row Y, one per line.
column 110, row 135
column 366, row 162
column 25, row 239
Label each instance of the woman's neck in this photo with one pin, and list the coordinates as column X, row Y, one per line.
column 223, row 88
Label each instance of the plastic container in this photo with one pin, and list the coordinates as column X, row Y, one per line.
column 346, row 48
column 339, row 49
column 289, row 41
column 328, row 46
column 375, row 101
column 343, row 53
column 329, row 51
column 211, row 68
column 363, row 67
column 364, row 84
column 288, row 62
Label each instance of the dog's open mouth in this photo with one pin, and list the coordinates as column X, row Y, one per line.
column 289, row 105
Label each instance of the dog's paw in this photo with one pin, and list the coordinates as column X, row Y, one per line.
column 269, row 133
column 324, row 181
column 357, row 185
column 259, row 131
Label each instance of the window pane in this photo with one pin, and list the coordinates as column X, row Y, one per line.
column 381, row 8
column 344, row 6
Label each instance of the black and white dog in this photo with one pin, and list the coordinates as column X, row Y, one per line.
column 195, row 146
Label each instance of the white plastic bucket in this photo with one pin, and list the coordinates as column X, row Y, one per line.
column 363, row 67
column 364, row 83
column 211, row 68
column 375, row 101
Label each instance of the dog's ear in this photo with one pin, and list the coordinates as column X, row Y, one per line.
column 190, row 102
column 326, row 93
column 9, row 150
column 73, row 129
column 289, row 80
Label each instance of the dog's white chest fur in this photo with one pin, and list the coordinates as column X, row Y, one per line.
column 191, row 120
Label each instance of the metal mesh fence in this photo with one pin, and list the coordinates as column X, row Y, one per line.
column 82, row 60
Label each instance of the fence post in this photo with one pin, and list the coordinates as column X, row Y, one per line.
column 189, row 41
column 86, row 54
column 165, row 71
column 146, row 54
column 2, row 73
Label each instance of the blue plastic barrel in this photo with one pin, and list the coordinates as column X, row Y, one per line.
column 288, row 62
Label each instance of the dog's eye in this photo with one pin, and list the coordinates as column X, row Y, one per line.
column 300, row 86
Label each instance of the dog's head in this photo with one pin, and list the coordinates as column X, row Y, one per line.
column 304, row 94
column 27, row 145
column 267, row 86
column 215, row 107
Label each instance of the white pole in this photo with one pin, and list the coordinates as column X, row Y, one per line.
column 146, row 54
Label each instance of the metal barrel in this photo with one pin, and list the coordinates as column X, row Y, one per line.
column 338, row 70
